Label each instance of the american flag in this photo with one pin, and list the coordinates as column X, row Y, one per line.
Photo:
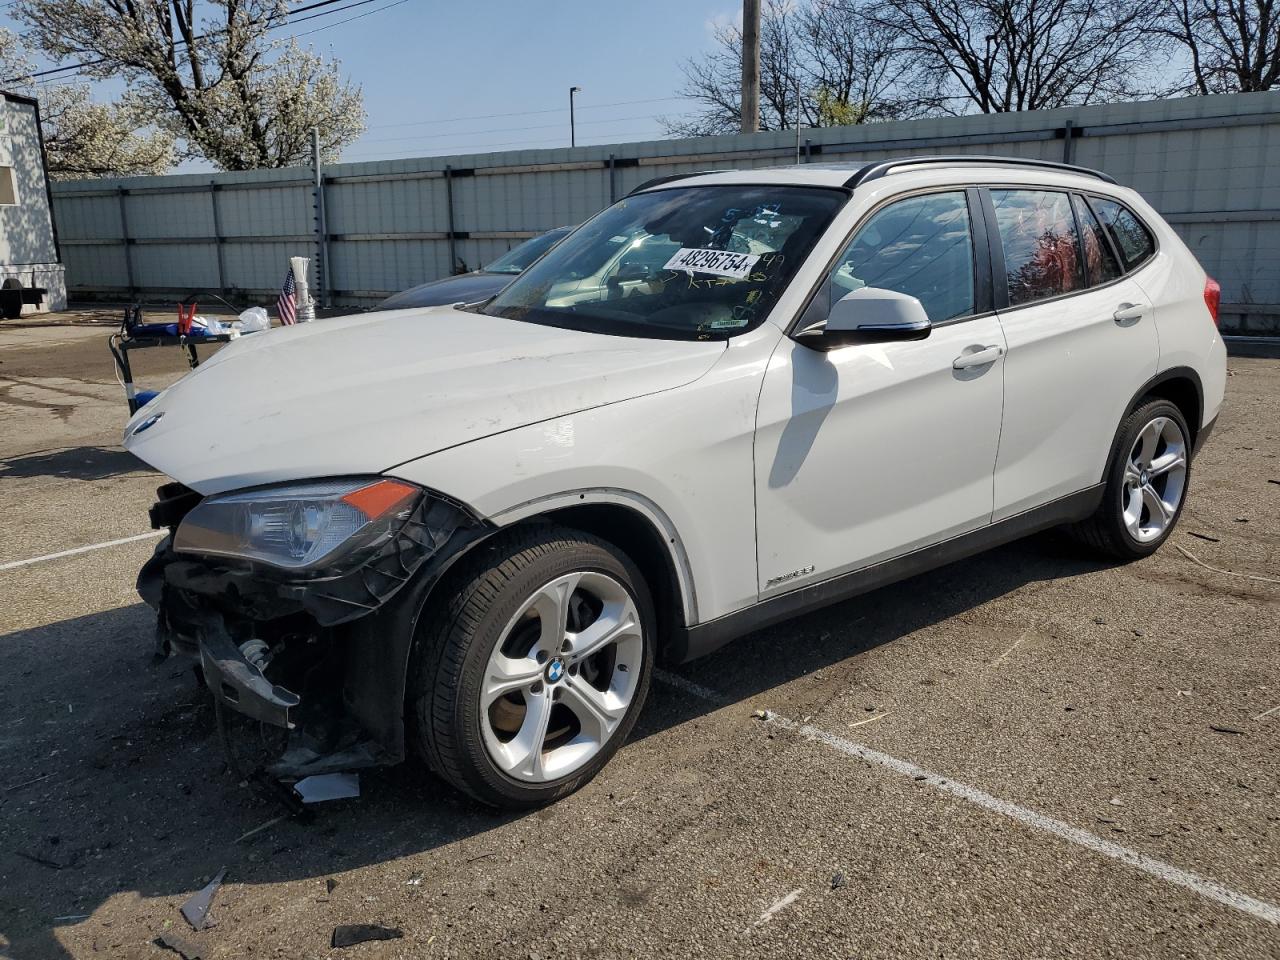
column 286, row 303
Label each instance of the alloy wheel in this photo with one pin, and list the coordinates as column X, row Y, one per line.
column 1155, row 476
column 561, row 677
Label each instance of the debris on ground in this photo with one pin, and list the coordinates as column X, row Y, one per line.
column 27, row 783
column 179, row 945
column 349, row 934
column 328, row 786
column 258, row 829
column 765, row 715
column 1222, row 729
column 1230, row 573
column 1204, row 536
column 838, row 881
column 196, row 910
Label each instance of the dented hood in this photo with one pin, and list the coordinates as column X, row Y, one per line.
column 363, row 394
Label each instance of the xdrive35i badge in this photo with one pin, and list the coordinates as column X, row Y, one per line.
column 793, row 575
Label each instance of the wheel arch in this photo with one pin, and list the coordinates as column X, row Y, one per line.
column 639, row 528
column 1182, row 387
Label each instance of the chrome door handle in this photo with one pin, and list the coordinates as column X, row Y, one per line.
column 979, row 355
column 1129, row 313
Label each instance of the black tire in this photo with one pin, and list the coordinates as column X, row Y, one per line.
column 1105, row 532
column 458, row 633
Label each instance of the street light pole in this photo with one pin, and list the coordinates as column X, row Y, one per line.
column 573, row 138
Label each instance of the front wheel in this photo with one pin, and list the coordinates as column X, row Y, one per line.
column 533, row 669
column 1146, row 484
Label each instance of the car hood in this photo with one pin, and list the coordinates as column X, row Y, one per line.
column 362, row 394
column 466, row 288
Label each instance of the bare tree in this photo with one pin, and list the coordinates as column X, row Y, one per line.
column 208, row 74
column 848, row 68
column 1233, row 45
column 714, row 80
column 1002, row 55
column 858, row 67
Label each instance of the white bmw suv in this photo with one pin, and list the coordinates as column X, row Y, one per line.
column 727, row 399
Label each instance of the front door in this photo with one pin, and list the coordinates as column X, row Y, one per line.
column 870, row 451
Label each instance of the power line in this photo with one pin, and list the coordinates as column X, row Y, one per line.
column 524, row 113
column 288, row 21
column 481, row 147
column 471, row 133
column 361, row 16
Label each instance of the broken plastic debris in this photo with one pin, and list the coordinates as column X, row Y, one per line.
column 349, row 934
column 328, row 786
column 196, row 910
column 179, row 945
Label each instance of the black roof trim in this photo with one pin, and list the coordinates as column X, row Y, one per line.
column 882, row 168
column 659, row 181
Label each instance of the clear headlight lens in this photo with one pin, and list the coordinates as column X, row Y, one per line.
column 300, row 526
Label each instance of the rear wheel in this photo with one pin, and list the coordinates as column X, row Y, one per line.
column 1147, row 482
column 533, row 670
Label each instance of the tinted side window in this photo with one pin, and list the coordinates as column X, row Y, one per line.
column 1099, row 260
column 922, row 246
column 1041, row 248
column 1130, row 234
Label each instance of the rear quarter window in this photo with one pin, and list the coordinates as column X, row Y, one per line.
column 1132, row 237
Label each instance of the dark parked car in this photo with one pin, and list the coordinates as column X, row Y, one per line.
column 478, row 285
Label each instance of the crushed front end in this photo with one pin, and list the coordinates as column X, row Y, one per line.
column 298, row 604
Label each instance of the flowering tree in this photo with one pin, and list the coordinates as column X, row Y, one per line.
column 83, row 138
column 208, row 74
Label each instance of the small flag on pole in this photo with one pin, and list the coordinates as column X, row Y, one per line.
column 286, row 303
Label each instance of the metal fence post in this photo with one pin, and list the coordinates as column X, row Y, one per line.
column 613, row 180
column 1067, row 132
column 217, row 236
column 323, row 281
column 124, row 239
column 448, row 201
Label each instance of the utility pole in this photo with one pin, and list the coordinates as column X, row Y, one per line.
column 573, row 136
column 750, row 66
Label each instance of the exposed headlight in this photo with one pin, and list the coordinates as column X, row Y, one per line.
column 300, row 527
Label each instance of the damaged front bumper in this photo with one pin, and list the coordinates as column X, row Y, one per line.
column 322, row 658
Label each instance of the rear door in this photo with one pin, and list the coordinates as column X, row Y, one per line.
column 1081, row 341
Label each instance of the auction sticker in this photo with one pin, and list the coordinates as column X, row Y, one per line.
column 721, row 263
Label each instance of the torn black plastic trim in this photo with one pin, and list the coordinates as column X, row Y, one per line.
column 175, row 501
column 237, row 682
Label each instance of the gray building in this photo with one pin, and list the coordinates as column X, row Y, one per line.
column 29, row 255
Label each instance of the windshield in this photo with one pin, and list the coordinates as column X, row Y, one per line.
column 518, row 258
column 693, row 263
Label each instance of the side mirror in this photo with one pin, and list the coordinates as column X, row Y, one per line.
column 629, row 271
column 869, row 315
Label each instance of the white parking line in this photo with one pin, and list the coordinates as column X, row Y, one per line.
column 14, row 564
column 1260, row 909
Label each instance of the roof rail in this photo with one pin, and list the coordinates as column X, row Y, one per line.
column 882, row 168
column 658, row 181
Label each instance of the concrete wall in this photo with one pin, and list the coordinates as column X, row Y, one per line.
column 1202, row 161
column 28, row 251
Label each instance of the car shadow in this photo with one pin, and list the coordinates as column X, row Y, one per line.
column 74, row 463
column 113, row 780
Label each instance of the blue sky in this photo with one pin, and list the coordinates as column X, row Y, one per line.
column 447, row 77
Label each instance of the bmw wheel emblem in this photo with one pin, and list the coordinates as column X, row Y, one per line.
column 555, row 670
